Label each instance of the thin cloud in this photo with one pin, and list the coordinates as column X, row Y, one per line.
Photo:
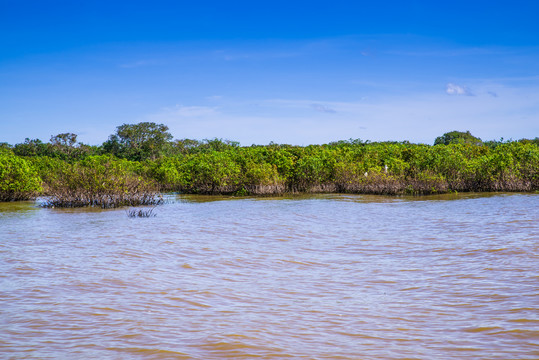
column 180, row 111
column 323, row 108
column 194, row 111
column 454, row 89
column 474, row 51
column 379, row 118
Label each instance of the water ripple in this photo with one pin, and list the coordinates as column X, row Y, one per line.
column 315, row 277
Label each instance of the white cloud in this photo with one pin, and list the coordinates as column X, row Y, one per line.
column 454, row 89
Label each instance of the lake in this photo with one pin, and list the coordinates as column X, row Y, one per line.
column 306, row 277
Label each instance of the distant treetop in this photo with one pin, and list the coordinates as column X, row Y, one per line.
column 145, row 140
column 457, row 137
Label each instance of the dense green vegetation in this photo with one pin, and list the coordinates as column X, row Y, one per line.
column 138, row 162
column 457, row 137
column 18, row 179
column 138, row 141
column 97, row 180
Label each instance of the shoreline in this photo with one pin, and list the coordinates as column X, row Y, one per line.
column 381, row 169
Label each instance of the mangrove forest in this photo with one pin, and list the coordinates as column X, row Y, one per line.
column 141, row 161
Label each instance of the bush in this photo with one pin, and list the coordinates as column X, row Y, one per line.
column 18, row 179
column 213, row 173
column 102, row 181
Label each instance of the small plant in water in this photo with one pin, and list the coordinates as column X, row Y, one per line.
column 141, row 213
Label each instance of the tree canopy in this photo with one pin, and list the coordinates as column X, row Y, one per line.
column 145, row 140
column 457, row 137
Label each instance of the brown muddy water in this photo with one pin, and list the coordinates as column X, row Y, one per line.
column 314, row 277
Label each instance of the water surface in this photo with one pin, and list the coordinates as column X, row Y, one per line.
column 313, row 277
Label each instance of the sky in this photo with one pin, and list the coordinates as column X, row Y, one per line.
column 294, row 72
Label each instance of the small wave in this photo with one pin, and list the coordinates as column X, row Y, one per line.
column 149, row 351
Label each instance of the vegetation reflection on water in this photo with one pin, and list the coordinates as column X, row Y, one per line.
column 326, row 276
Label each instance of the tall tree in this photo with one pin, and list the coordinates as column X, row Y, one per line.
column 457, row 137
column 63, row 145
column 64, row 139
column 145, row 140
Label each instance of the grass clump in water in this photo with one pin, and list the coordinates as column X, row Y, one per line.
column 141, row 213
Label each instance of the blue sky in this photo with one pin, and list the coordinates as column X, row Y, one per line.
column 297, row 72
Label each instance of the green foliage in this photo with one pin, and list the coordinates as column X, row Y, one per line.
column 383, row 168
column 145, row 140
column 48, row 169
column 102, row 181
column 64, row 139
column 149, row 161
column 212, row 173
column 315, row 167
column 184, row 146
column 261, row 172
column 190, row 146
column 171, row 173
column 31, row 147
column 18, row 179
column 244, row 170
column 345, row 143
column 530, row 141
column 61, row 146
column 457, row 137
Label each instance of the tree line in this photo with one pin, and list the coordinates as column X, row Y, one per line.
column 140, row 161
column 135, row 142
column 151, row 141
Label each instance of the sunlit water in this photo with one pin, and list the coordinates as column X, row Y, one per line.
column 319, row 277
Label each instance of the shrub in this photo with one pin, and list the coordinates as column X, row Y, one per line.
column 18, row 179
column 214, row 173
column 101, row 181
